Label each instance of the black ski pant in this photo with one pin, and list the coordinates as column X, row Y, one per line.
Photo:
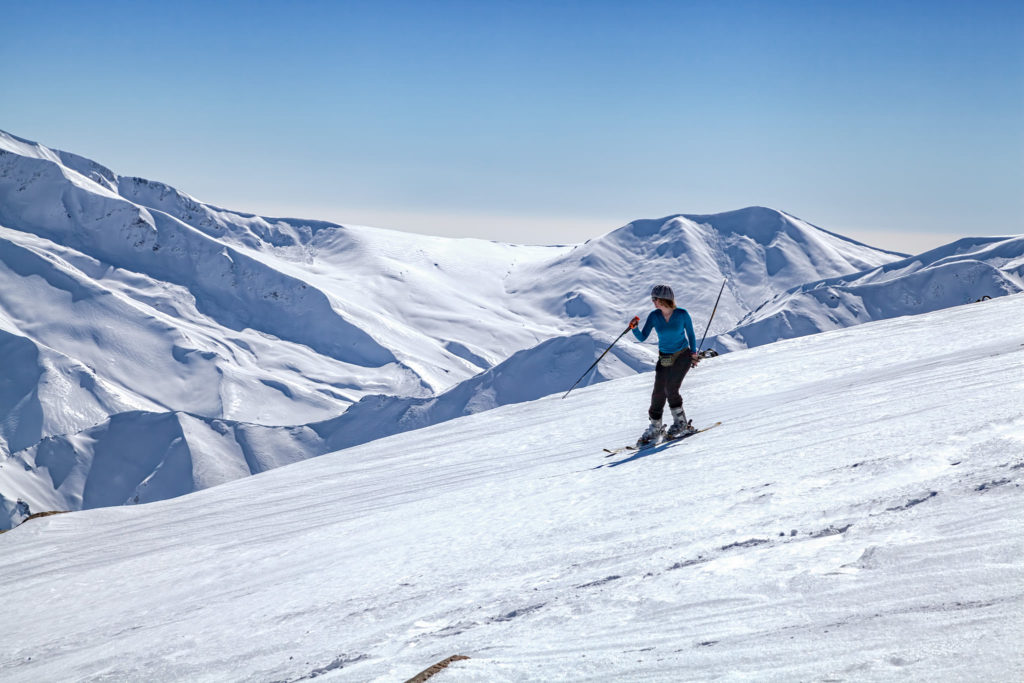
column 667, row 381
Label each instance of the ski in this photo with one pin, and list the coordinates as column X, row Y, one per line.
column 664, row 440
column 687, row 436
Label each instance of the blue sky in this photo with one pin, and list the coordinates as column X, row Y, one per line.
column 901, row 123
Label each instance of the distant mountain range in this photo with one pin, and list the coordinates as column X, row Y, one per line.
column 150, row 336
column 968, row 270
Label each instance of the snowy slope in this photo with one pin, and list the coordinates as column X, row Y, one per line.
column 967, row 270
column 761, row 252
column 141, row 457
column 853, row 519
column 274, row 333
column 175, row 305
column 144, row 456
column 549, row 368
column 125, row 303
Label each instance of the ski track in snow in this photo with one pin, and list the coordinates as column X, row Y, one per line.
column 854, row 518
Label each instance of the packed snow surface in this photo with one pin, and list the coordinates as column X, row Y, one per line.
column 855, row 517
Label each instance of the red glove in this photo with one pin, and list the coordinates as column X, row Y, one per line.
column 634, row 322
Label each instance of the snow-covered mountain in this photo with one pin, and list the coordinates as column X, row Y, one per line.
column 143, row 456
column 968, row 270
column 123, row 297
column 757, row 250
column 853, row 520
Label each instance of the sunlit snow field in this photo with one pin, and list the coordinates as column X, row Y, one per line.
column 857, row 516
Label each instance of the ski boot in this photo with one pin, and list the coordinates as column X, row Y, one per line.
column 651, row 435
column 681, row 427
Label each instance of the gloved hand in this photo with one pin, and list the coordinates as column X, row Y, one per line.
column 634, row 322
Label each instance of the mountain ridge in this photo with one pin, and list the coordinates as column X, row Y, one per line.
column 967, row 270
column 379, row 310
column 155, row 302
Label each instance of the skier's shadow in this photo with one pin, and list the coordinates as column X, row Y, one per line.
column 641, row 454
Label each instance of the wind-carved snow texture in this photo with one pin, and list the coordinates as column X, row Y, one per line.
column 850, row 521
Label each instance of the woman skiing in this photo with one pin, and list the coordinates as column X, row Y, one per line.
column 677, row 346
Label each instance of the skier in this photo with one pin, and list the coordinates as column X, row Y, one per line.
column 676, row 355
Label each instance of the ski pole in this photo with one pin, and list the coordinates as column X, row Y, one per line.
column 701, row 345
column 599, row 359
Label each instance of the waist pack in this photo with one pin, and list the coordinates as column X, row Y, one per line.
column 667, row 360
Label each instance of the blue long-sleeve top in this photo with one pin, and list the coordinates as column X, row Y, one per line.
column 674, row 334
